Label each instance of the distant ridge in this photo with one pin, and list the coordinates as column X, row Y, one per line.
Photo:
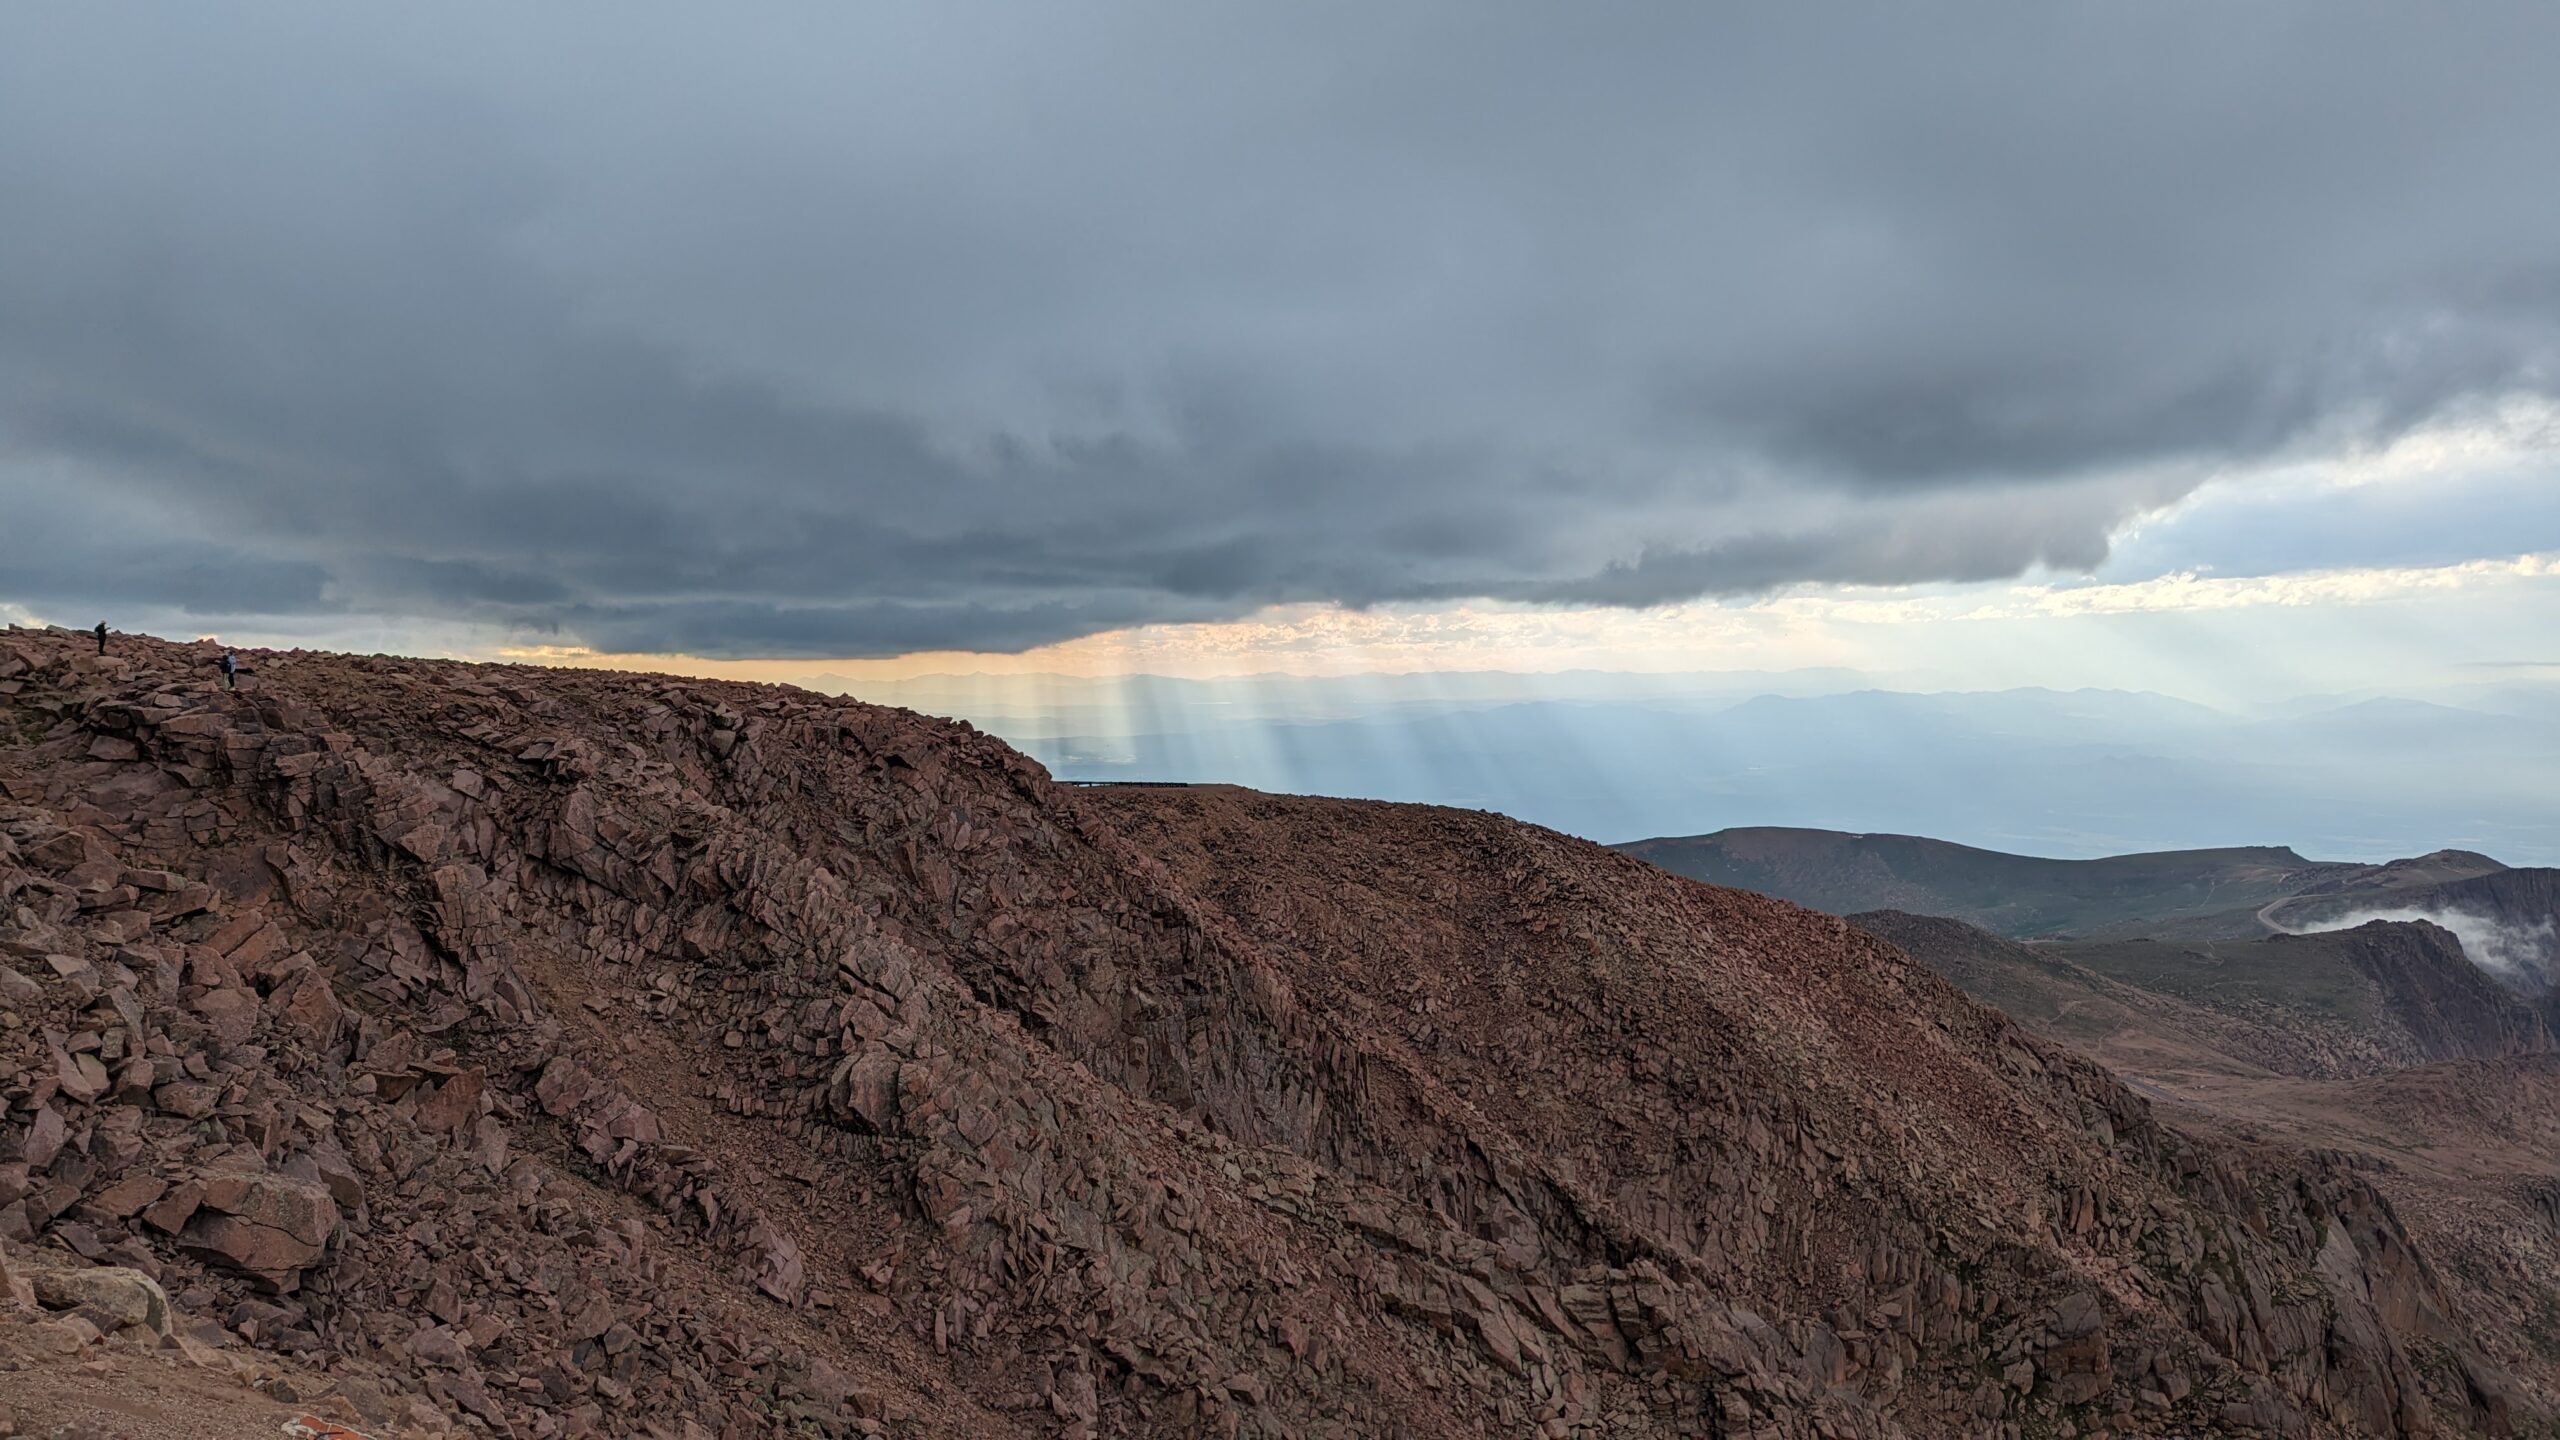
column 2340, row 1004
column 2180, row 894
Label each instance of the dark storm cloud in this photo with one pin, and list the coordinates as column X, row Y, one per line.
column 1981, row 532
column 863, row 330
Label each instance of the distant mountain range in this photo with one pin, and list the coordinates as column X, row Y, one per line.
column 2504, row 920
column 2200, row 894
column 1609, row 756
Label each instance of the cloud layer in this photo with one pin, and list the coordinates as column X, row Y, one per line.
column 853, row 331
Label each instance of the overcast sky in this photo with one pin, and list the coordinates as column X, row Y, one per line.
column 847, row 331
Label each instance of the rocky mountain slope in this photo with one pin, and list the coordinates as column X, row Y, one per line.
column 2381, row 1046
column 2469, row 1152
column 2129, row 1029
column 2383, row 996
column 2175, row 894
column 495, row 1050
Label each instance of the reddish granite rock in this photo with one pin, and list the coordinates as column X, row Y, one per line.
column 43, row 1138
column 232, row 1014
column 455, row 1103
column 128, row 1196
column 269, row 1226
column 554, row 1053
column 309, row 1005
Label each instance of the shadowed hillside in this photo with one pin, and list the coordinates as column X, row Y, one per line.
column 2509, row 920
column 2383, row 996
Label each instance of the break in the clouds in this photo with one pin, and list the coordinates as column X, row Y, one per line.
column 838, row 330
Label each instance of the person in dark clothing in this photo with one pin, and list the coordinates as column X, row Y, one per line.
column 102, row 637
column 230, row 672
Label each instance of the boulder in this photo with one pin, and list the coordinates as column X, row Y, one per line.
column 128, row 1196
column 310, row 1006
column 171, row 1211
column 110, row 1296
column 81, row 1077
column 17, row 990
column 438, row 1346
column 69, row 1335
column 186, row 1098
column 270, row 1227
column 44, row 1139
column 15, row 1288
column 232, row 1014
column 455, row 1104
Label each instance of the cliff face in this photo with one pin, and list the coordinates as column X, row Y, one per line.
column 2524, row 905
column 590, row 1053
column 2508, row 919
column 2430, row 997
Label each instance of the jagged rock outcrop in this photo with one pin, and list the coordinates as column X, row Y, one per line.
column 2430, row 998
column 549, row 1053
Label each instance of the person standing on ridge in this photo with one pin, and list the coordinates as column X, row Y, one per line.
column 102, row 637
column 230, row 672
